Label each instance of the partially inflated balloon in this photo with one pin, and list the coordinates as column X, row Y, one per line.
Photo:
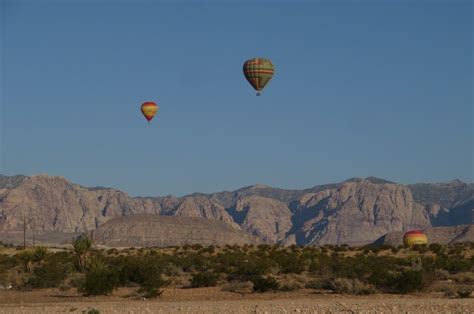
column 258, row 72
column 414, row 237
column 149, row 110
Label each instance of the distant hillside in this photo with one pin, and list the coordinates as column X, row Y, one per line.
column 356, row 211
column 164, row 231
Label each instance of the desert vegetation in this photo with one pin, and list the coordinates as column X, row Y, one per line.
column 242, row 269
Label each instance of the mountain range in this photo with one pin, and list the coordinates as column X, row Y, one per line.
column 356, row 211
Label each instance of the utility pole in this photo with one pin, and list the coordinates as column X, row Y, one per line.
column 24, row 231
column 34, row 226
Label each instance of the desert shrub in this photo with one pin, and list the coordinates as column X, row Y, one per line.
column 191, row 262
column 422, row 248
column 93, row 311
column 204, row 279
column 60, row 257
column 319, row 284
column 196, row 247
column 113, row 251
column 100, row 280
column 442, row 274
column 448, row 292
column 464, row 293
column 457, row 250
column 247, row 267
column 341, row 248
column 464, row 278
column 210, row 250
column 263, row 284
column 48, row 275
column 263, row 247
column 238, row 286
column 7, row 263
column 77, row 280
column 384, row 281
column 138, row 269
column 409, row 281
column 288, row 262
column 153, row 286
column 373, row 248
column 453, row 264
column 437, row 248
column 146, row 271
column 351, row 286
column 291, row 286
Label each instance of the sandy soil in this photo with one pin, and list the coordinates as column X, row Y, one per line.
column 212, row 300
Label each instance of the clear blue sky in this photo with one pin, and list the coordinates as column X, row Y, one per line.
column 381, row 88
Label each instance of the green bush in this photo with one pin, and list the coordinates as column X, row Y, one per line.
column 384, row 281
column 204, row 279
column 248, row 268
column 319, row 284
column 153, row 286
column 100, row 281
column 464, row 293
column 289, row 263
column 421, row 248
column 288, row 287
column 263, row 284
column 409, row 281
column 351, row 286
column 48, row 275
column 437, row 248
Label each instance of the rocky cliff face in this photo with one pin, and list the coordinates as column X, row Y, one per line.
column 54, row 204
column 356, row 211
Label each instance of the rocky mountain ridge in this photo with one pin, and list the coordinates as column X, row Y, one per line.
column 356, row 211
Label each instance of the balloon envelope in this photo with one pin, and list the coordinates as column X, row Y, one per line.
column 414, row 237
column 149, row 110
column 258, row 72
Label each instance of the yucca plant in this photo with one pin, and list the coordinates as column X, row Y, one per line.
column 39, row 253
column 27, row 257
column 96, row 264
column 82, row 247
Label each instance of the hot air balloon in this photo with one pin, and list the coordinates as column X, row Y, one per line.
column 258, row 72
column 149, row 110
column 414, row 237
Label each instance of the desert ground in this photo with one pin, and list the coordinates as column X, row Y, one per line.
column 233, row 279
column 213, row 300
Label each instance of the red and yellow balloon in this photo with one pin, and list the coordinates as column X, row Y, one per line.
column 149, row 110
column 414, row 237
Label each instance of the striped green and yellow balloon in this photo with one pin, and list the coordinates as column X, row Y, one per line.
column 258, row 71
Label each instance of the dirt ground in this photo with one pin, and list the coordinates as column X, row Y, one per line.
column 213, row 300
